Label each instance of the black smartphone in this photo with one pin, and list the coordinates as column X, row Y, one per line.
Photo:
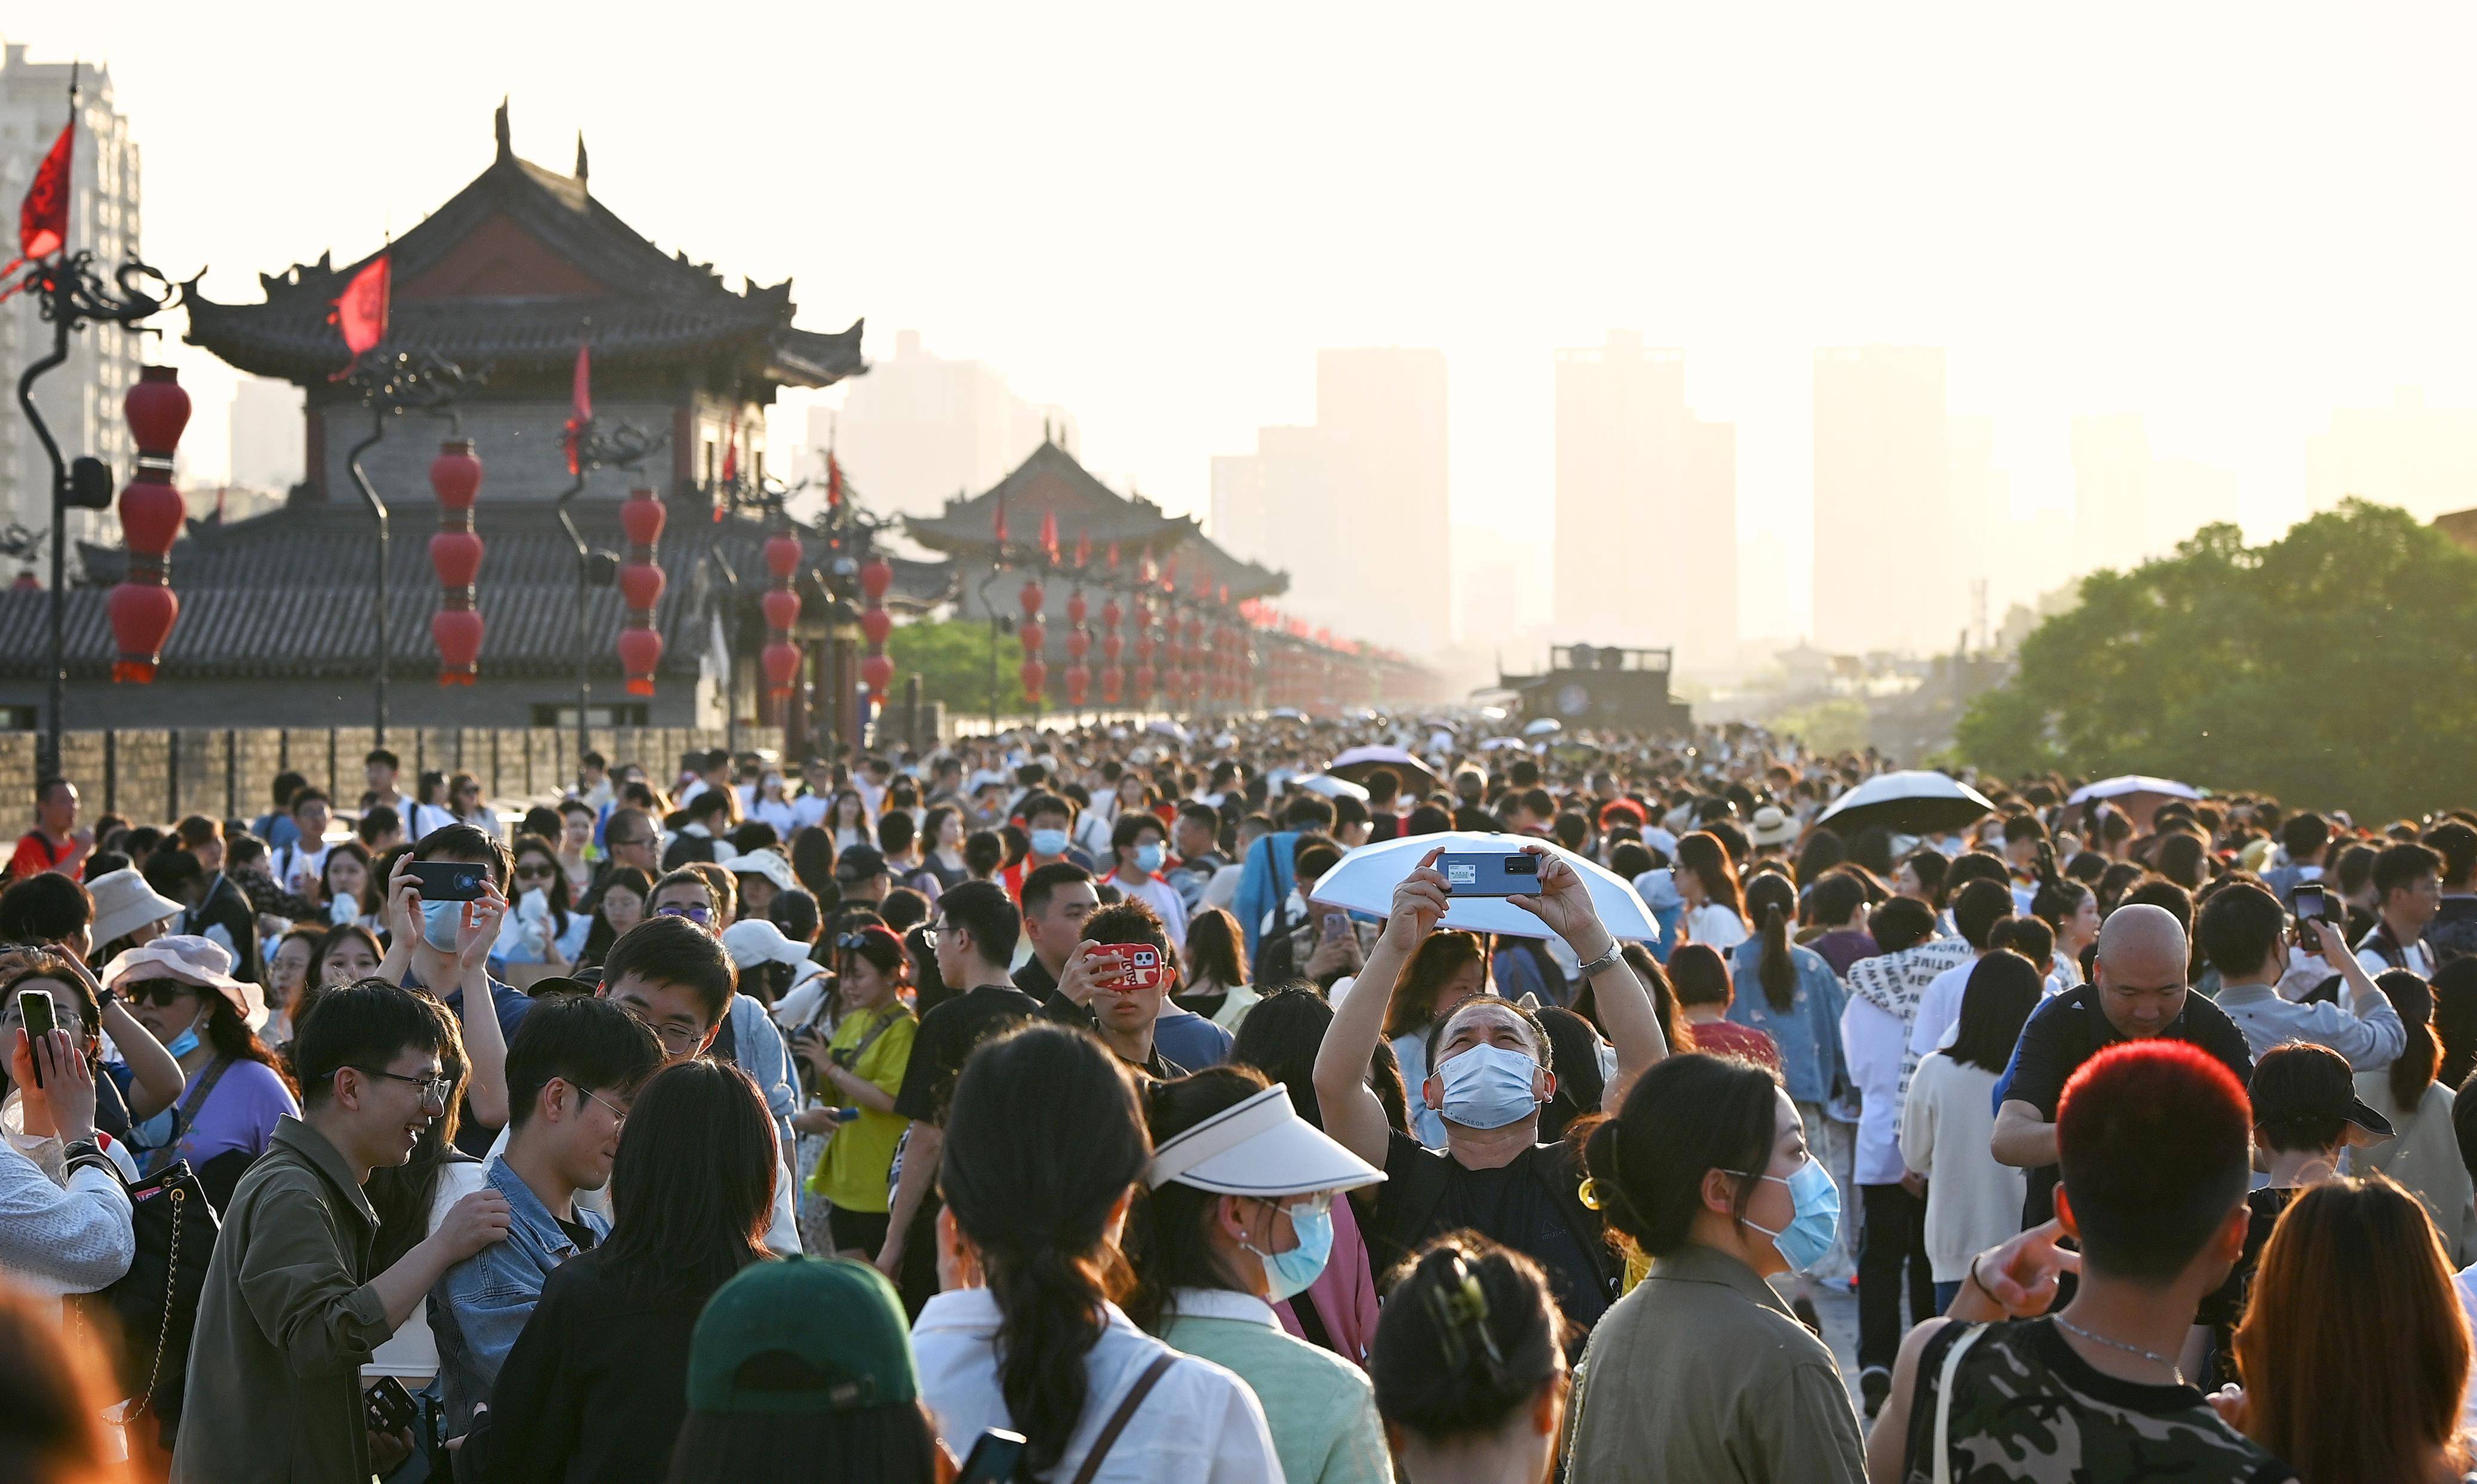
column 34, row 1006
column 993, row 1458
column 2312, row 901
column 450, row 881
column 390, row 1407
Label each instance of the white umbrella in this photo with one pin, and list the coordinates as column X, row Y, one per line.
column 1542, row 727
column 1168, row 728
column 1288, row 713
column 1364, row 881
column 1502, row 744
column 2134, row 783
column 1357, row 763
column 1915, row 801
column 1330, row 787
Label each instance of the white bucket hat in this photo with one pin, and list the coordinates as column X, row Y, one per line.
column 1771, row 825
column 123, row 903
column 1259, row 1148
column 192, row 960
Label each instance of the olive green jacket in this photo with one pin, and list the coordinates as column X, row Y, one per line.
column 1703, row 1373
column 286, row 1320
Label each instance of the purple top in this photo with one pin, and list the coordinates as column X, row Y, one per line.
column 1845, row 947
column 239, row 1114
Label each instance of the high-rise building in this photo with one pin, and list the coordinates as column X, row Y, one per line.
column 920, row 429
column 2407, row 453
column 267, row 434
column 1886, row 576
column 81, row 399
column 1644, row 486
column 2111, row 497
column 1353, row 507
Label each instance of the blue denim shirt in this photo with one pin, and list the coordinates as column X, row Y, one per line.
column 481, row 1304
column 1812, row 1065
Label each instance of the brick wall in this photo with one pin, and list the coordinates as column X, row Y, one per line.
column 157, row 776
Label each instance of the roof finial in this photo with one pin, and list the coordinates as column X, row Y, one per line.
column 499, row 123
column 580, row 157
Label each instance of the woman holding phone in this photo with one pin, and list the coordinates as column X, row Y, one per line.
column 856, row 1073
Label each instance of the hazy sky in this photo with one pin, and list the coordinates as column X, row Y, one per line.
column 2228, row 218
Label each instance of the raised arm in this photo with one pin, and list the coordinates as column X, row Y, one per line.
column 1564, row 904
column 486, row 1040
column 1352, row 1115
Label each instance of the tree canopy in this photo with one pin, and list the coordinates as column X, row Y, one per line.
column 951, row 659
column 2332, row 668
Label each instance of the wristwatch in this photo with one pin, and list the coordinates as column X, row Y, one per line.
column 1617, row 951
column 87, row 1151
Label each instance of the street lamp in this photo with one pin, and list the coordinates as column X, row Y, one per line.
column 71, row 294
column 388, row 382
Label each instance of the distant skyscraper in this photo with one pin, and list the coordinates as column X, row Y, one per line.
column 1886, row 571
column 267, row 434
column 1354, row 508
column 2407, row 453
column 920, row 429
column 2112, row 495
column 1644, row 486
column 81, row 399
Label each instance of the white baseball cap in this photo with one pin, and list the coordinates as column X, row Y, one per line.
column 1259, row 1148
column 753, row 940
column 766, row 863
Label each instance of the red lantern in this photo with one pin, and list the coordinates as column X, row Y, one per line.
column 875, row 623
column 781, row 657
column 1035, row 639
column 781, row 663
column 456, row 556
column 1078, row 644
column 1111, row 645
column 1036, row 680
column 876, row 577
column 1077, row 609
column 143, row 606
column 1143, row 679
column 876, row 580
column 781, row 554
column 780, row 606
column 1113, row 681
column 877, row 670
column 1032, row 598
column 641, row 588
column 1079, row 679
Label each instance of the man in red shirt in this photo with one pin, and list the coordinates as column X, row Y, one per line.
column 56, row 843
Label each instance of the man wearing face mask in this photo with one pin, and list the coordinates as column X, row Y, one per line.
column 441, row 949
column 1490, row 1072
column 1048, row 823
column 1141, row 846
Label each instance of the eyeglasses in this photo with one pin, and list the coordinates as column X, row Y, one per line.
column 433, row 1089
column 698, row 915
column 618, row 1115
column 678, row 1040
column 853, row 940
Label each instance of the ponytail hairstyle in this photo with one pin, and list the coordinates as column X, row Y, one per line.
column 2422, row 1058
column 1687, row 1116
column 1165, row 1231
column 1468, row 1337
column 1773, row 900
column 1044, row 1138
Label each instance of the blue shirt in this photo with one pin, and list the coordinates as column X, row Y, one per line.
column 1190, row 1040
column 1812, row 1065
column 480, row 1306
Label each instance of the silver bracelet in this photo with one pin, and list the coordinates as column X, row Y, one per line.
column 1617, row 951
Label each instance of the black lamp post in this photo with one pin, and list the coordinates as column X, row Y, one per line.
column 388, row 383
column 620, row 446
column 71, row 294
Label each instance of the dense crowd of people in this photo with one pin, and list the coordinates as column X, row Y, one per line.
column 1042, row 1106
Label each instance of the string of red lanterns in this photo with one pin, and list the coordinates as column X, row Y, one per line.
column 143, row 606
column 641, row 588
column 876, row 670
column 455, row 555
column 780, row 659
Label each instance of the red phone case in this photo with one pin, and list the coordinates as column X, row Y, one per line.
column 1139, row 964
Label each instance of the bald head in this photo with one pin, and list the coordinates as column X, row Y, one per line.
column 2142, row 964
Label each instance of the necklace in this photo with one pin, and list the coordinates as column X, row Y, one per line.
column 2152, row 1356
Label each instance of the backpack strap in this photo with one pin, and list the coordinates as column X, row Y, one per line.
column 1126, row 1412
column 1944, row 1400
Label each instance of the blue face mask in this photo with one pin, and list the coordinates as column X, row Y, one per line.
column 1148, row 857
column 184, row 1043
column 1287, row 1275
column 1816, row 1202
column 440, row 922
column 1488, row 1087
column 1049, row 842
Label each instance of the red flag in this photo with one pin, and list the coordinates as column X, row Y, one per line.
column 1001, row 528
column 834, row 482
column 581, row 399
column 361, row 312
column 731, row 452
column 44, row 219
column 1049, row 533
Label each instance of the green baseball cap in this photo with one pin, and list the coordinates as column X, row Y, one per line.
column 829, row 1336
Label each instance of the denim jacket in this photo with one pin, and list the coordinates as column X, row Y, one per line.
column 1812, row 1065
column 482, row 1303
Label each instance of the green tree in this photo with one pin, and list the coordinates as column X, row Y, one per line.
column 951, row 659
column 2332, row 668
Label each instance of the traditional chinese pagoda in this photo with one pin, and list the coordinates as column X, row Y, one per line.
column 507, row 280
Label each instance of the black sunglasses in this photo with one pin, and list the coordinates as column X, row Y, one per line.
column 163, row 994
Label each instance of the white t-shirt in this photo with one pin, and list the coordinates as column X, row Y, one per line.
column 1200, row 1425
column 2417, row 958
column 1716, row 927
column 1972, row 1201
column 809, row 808
column 412, row 1350
column 1162, row 898
column 1939, row 1008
